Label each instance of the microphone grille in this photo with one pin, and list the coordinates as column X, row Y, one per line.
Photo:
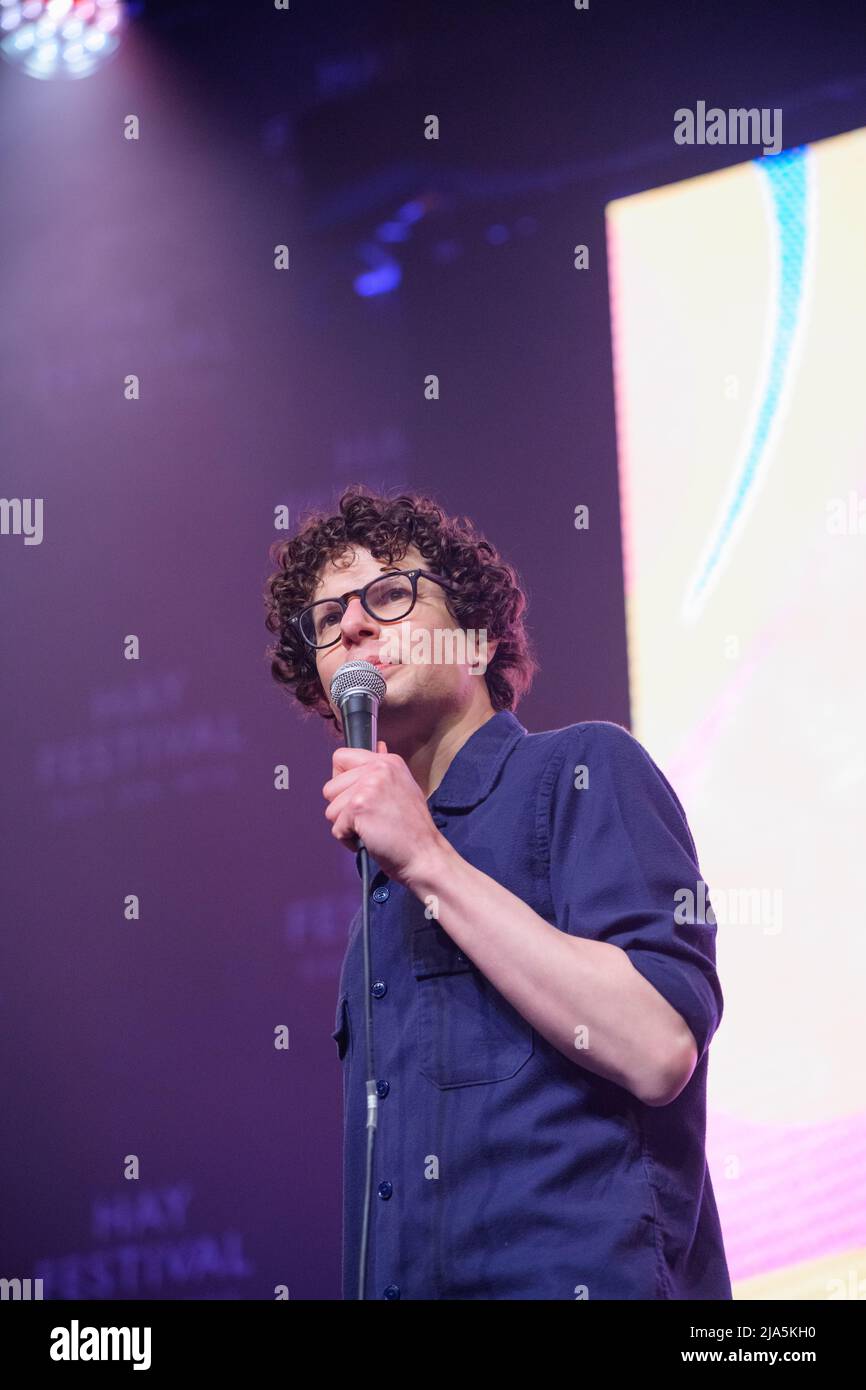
column 360, row 677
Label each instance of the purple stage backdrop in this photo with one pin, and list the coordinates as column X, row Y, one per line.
column 170, row 396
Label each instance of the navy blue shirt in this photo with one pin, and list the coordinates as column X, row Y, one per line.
column 503, row 1170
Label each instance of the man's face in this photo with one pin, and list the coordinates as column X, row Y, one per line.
column 416, row 688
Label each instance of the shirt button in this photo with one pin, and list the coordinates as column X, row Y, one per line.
column 385, row 1189
column 381, row 894
column 392, row 1291
column 461, row 957
column 378, row 988
column 382, row 1088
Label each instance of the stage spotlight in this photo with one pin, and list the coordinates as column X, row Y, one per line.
column 59, row 38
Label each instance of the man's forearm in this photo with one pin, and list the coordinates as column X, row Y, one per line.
column 585, row 997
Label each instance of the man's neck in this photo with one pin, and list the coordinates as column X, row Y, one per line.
column 429, row 760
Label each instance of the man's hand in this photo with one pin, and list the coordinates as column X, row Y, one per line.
column 375, row 796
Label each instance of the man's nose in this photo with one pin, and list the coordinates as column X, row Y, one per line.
column 356, row 619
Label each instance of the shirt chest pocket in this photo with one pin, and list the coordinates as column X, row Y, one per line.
column 467, row 1032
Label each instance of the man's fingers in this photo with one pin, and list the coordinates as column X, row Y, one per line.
column 347, row 764
column 352, row 757
column 339, row 783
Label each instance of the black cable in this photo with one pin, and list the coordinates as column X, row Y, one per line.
column 372, row 1096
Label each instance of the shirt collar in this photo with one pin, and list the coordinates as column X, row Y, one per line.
column 473, row 770
column 475, row 766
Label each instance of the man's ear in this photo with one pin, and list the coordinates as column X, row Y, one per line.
column 491, row 649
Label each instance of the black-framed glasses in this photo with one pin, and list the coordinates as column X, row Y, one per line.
column 387, row 598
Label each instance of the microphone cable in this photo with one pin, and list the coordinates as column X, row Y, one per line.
column 358, row 689
column 372, row 1095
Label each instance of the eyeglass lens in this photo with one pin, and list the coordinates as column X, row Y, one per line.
column 389, row 598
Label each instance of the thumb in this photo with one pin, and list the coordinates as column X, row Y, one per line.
column 382, row 746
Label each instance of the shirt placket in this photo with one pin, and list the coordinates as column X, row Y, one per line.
column 394, row 1000
column 383, row 1274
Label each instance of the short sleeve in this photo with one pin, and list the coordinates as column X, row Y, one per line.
column 623, row 869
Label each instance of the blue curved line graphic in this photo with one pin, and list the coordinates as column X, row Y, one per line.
column 787, row 176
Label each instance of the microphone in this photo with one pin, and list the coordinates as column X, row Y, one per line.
column 358, row 688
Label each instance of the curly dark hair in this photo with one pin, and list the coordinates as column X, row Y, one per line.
column 487, row 596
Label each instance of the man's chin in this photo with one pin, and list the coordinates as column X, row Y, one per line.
column 391, row 676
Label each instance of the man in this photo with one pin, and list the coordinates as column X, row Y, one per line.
column 542, row 1015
